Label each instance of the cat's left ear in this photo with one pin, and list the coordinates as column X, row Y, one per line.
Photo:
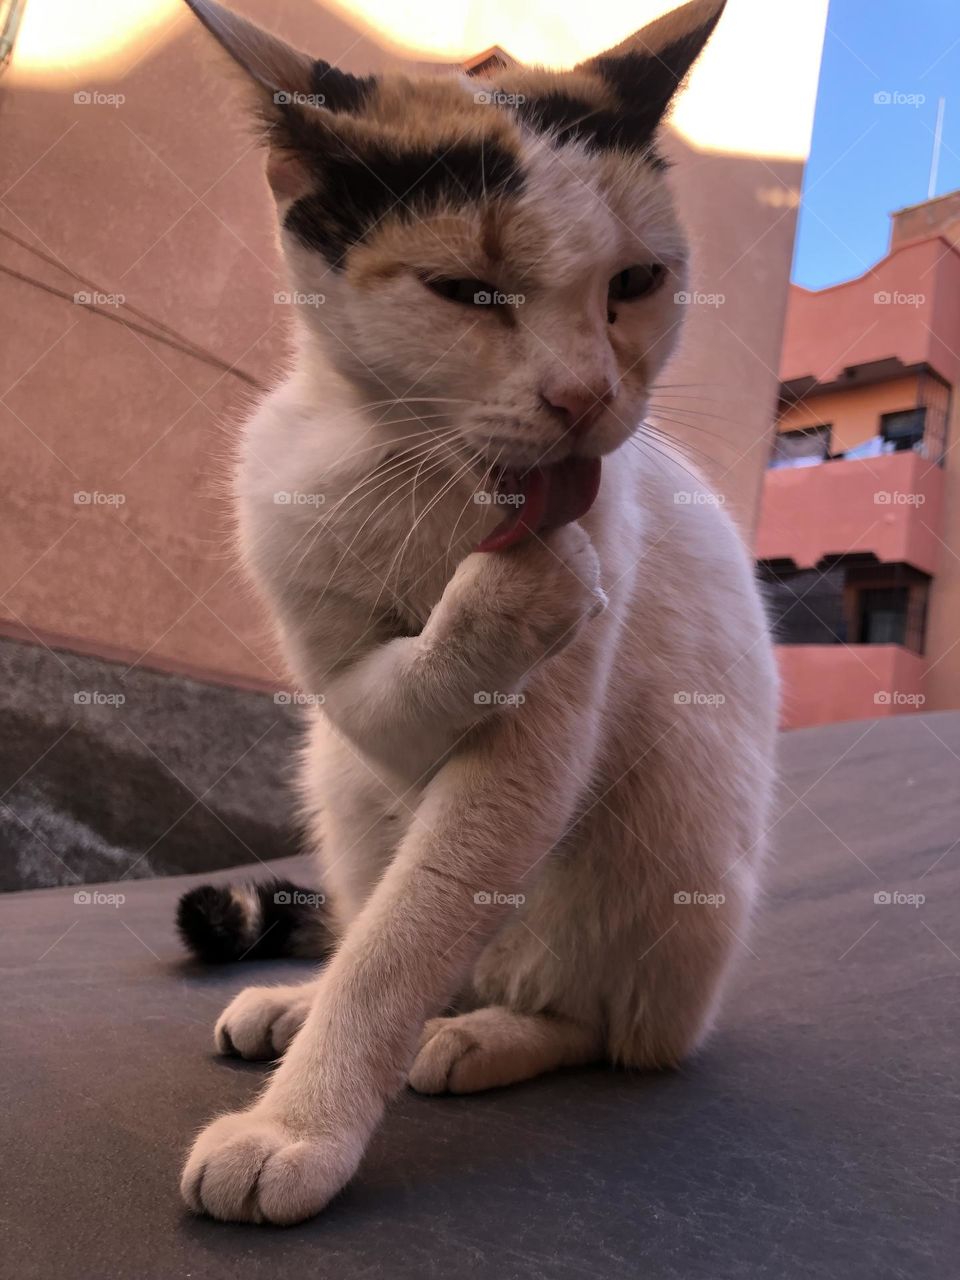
column 647, row 69
column 296, row 95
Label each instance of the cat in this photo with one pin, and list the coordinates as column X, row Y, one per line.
column 541, row 694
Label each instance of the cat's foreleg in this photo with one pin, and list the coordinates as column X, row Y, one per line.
column 482, row 825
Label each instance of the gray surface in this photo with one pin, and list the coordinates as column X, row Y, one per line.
column 108, row 772
column 816, row 1136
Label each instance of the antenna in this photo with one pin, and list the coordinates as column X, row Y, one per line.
column 935, row 158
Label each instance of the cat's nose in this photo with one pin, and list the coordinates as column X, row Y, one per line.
column 578, row 406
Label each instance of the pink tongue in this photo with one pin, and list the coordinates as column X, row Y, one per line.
column 543, row 498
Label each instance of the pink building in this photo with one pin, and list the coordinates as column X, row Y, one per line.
column 859, row 530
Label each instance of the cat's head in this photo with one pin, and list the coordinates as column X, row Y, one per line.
column 506, row 243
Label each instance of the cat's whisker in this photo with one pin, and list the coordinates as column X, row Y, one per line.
column 353, row 541
column 397, row 561
column 360, row 491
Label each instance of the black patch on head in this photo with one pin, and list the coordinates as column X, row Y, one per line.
column 355, row 188
column 570, row 119
column 340, row 91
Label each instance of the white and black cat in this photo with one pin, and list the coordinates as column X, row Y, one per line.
column 540, row 761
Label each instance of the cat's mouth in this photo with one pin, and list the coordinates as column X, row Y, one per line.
column 540, row 498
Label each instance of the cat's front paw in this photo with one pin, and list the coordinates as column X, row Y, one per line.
column 261, row 1021
column 558, row 577
column 251, row 1167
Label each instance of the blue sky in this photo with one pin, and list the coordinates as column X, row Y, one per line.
column 868, row 158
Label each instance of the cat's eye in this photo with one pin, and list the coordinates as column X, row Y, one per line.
column 636, row 282
column 471, row 293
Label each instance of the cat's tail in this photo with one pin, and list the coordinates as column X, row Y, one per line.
column 254, row 921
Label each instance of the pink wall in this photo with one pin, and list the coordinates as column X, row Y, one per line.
column 827, row 683
column 831, row 329
column 891, row 506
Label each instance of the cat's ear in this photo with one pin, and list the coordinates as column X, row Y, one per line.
column 646, row 70
column 295, row 95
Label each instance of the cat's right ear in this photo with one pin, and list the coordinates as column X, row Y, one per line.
column 295, row 94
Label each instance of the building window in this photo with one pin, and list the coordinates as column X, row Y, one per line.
column 882, row 615
column 904, row 430
column 804, row 447
column 847, row 602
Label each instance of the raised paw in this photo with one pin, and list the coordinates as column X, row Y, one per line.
column 261, row 1021
column 249, row 1167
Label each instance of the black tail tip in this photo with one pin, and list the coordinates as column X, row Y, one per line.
column 212, row 924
